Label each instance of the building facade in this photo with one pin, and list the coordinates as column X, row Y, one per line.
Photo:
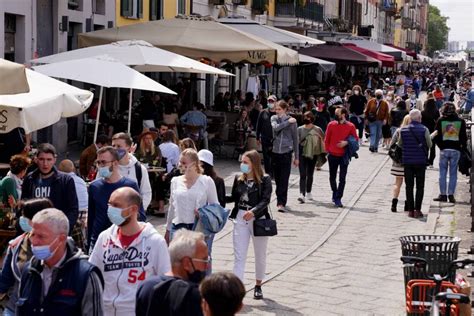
column 411, row 25
column 139, row 11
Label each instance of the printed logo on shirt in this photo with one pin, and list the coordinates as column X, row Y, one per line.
column 132, row 257
column 42, row 192
column 450, row 130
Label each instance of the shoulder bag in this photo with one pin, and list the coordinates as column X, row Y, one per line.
column 395, row 152
column 264, row 226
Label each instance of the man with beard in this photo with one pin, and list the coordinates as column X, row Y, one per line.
column 128, row 253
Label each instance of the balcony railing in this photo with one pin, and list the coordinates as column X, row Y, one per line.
column 259, row 5
column 389, row 7
column 406, row 22
column 311, row 11
column 285, row 9
column 337, row 24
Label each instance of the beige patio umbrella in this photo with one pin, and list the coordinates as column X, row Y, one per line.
column 197, row 38
column 12, row 78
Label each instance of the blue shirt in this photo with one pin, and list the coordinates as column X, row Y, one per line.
column 81, row 191
column 99, row 194
column 469, row 100
column 196, row 118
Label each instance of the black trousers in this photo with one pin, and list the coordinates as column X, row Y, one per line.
column 432, row 154
column 281, row 171
column 306, row 167
column 267, row 158
column 335, row 163
column 414, row 173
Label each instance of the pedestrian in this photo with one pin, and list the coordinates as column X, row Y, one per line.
column 89, row 155
column 100, row 191
column 127, row 253
column 321, row 115
column 451, row 138
column 439, row 96
column 376, row 115
column 264, row 133
column 170, row 150
column 48, row 182
column 187, row 143
column 207, row 163
column 67, row 166
column 58, row 280
column 188, row 192
column 397, row 167
column 131, row 168
column 10, row 185
column 429, row 117
column 357, row 103
column 397, row 114
column 222, row 294
column 310, row 148
column 19, row 253
column 469, row 97
column 415, row 141
column 335, row 141
column 177, row 292
column 412, row 102
column 251, row 193
column 285, row 145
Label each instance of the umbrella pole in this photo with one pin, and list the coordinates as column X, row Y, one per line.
column 130, row 111
column 98, row 114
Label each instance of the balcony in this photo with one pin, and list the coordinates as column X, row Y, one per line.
column 337, row 24
column 406, row 22
column 389, row 7
column 310, row 11
column 415, row 25
column 259, row 6
column 285, row 9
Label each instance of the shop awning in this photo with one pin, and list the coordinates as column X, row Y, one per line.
column 197, row 38
column 423, row 58
column 325, row 65
column 387, row 60
column 407, row 51
column 339, row 54
column 374, row 46
column 276, row 35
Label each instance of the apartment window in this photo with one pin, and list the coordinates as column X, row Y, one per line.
column 98, row 7
column 155, row 10
column 132, row 9
column 181, row 6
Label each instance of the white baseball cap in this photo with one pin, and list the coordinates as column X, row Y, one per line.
column 206, row 156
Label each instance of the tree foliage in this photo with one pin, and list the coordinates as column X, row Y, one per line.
column 437, row 30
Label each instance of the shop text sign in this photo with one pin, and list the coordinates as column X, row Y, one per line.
column 257, row 55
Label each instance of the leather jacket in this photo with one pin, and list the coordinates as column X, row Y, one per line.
column 258, row 196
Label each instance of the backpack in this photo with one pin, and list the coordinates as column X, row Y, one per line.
column 312, row 144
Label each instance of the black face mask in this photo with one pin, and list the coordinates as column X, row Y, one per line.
column 196, row 276
column 379, row 97
column 306, row 121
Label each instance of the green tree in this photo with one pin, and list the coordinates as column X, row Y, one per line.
column 437, row 30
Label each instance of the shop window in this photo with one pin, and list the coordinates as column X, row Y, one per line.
column 132, row 9
column 181, row 6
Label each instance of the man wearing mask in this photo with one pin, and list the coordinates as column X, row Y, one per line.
column 265, row 133
column 127, row 253
column 88, row 155
column 412, row 101
column 177, row 293
column 131, row 168
column 357, row 102
column 100, row 191
column 335, row 142
column 333, row 101
column 376, row 115
column 58, row 280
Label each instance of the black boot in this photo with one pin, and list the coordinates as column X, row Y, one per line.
column 451, row 199
column 441, row 198
column 394, row 205
column 405, row 209
column 257, row 294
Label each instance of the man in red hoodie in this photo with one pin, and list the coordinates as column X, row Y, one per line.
column 335, row 142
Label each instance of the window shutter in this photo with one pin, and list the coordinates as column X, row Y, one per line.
column 153, row 10
column 125, row 8
column 140, row 9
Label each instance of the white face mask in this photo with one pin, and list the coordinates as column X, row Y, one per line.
column 356, row 92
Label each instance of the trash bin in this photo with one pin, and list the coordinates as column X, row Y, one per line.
column 437, row 250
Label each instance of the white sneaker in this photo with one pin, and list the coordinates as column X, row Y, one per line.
column 309, row 196
column 301, row 198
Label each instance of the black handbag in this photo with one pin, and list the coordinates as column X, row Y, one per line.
column 395, row 152
column 265, row 226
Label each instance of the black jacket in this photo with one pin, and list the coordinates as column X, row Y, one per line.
column 63, row 193
column 264, row 128
column 258, row 196
column 451, row 133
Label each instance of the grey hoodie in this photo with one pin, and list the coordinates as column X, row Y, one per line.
column 285, row 135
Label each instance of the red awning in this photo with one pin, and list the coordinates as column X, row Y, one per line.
column 387, row 60
column 339, row 54
column 407, row 51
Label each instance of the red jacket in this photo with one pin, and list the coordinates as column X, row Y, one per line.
column 335, row 133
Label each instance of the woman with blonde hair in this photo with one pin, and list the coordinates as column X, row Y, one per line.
column 188, row 192
column 251, row 193
column 397, row 168
column 187, row 143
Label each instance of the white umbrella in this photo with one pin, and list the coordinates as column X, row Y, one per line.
column 105, row 72
column 45, row 104
column 138, row 54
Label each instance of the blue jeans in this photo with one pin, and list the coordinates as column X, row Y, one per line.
column 448, row 157
column 375, row 133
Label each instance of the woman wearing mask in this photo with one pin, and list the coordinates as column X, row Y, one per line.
column 188, row 192
column 310, row 136
column 19, row 253
column 251, row 193
column 321, row 114
column 357, row 102
column 429, row 117
column 397, row 168
column 285, row 143
column 397, row 114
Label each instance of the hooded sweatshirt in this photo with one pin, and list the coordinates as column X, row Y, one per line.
column 125, row 269
column 128, row 171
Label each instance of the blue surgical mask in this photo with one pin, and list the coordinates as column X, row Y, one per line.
column 121, row 152
column 270, row 105
column 25, row 224
column 42, row 252
column 244, row 168
column 115, row 215
column 104, row 172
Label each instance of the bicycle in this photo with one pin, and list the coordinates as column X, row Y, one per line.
column 434, row 295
